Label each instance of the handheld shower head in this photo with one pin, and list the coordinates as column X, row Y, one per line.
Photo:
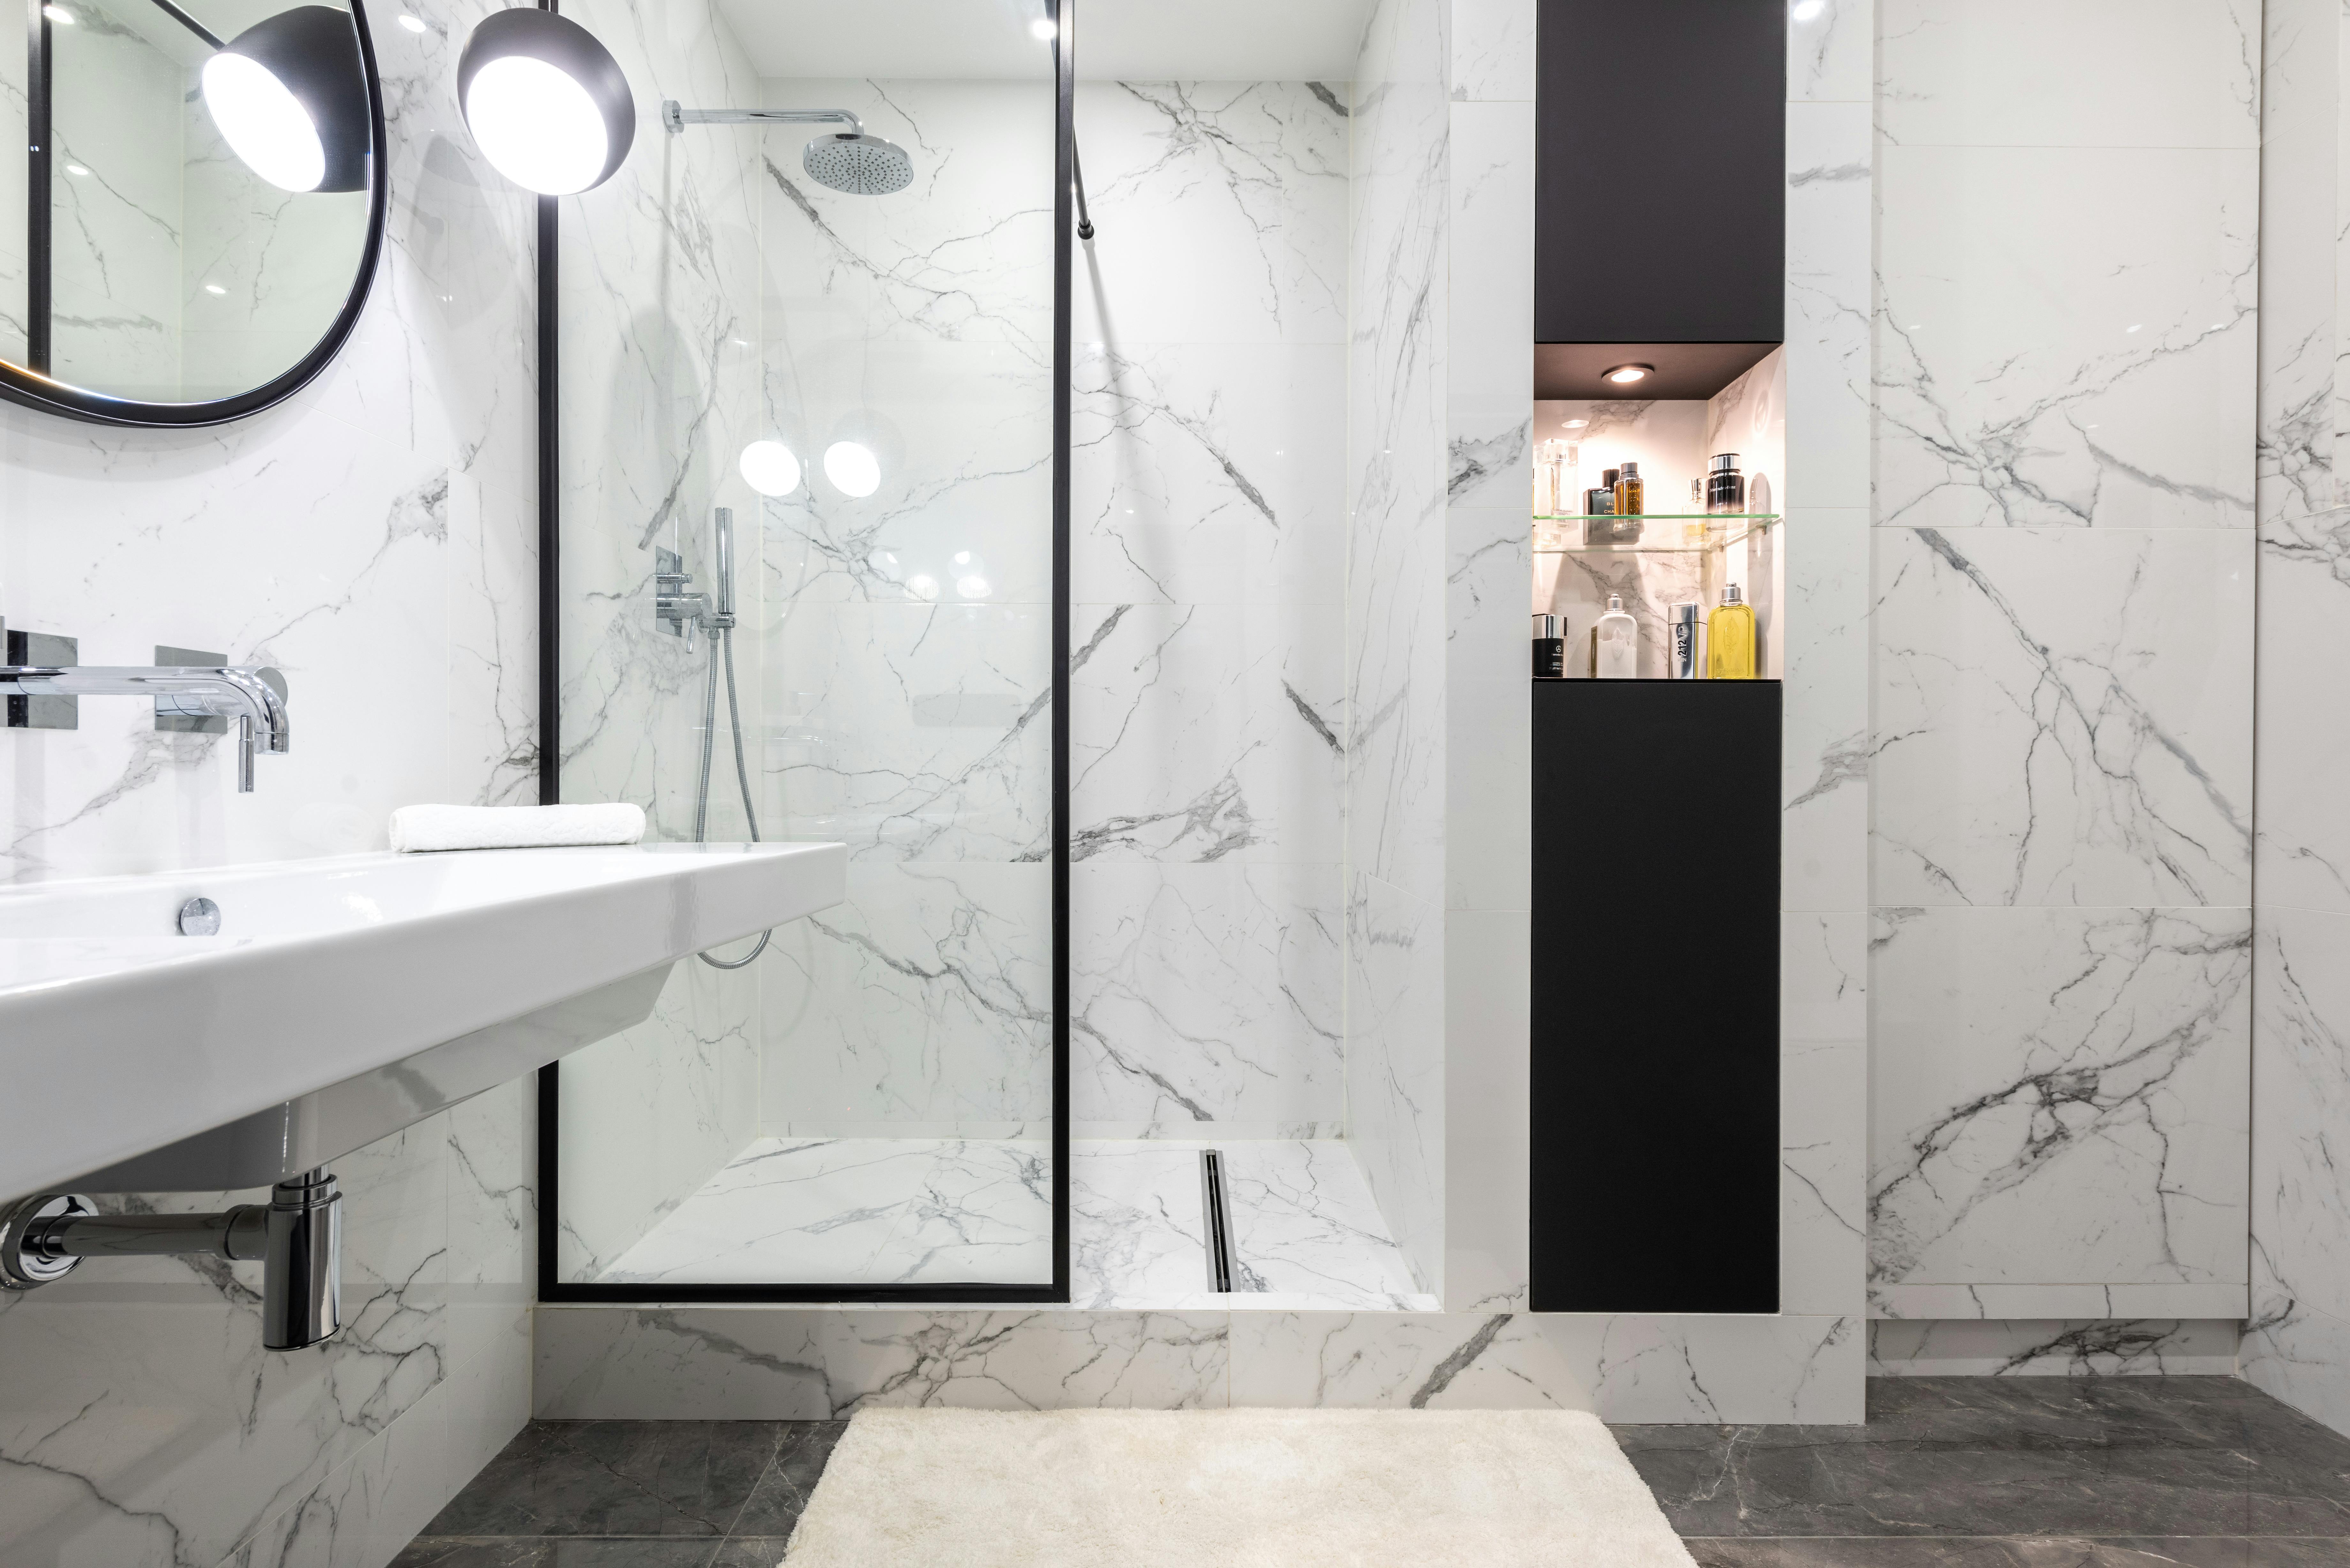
column 725, row 562
column 858, row 163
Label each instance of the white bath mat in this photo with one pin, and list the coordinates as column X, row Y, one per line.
column 1230, row 1489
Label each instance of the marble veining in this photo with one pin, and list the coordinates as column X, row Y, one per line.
column 2060, row 1096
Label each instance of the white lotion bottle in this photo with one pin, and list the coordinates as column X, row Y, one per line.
column 1616, row 643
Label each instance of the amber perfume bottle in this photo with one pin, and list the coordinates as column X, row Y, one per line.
column 1629, row 495
column 1729, row 637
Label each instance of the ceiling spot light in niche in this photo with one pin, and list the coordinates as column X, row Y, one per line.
column 1576, row 424
column 413, row 23
column 853, row 470
column 546, row 103
column 290, row 99
column 1625, row 375
column 769, row 468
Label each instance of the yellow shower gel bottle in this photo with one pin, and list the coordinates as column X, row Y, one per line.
column 1730, row 638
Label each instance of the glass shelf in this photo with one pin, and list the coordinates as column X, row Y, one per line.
column 1723, row 529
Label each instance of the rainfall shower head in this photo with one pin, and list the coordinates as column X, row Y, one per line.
column 859, row 164
column 850, row 161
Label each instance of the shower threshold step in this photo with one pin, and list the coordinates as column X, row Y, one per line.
column 1303, row 1232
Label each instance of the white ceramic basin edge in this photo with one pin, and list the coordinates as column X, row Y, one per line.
column 124, row 1038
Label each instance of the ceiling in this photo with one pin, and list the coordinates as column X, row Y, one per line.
column 1132, row 40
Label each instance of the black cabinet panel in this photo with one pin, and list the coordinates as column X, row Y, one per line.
column 1660, row 181
column 1656, row 996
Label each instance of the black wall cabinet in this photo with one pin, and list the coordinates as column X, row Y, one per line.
column 1656, row 996
column 1661, row 192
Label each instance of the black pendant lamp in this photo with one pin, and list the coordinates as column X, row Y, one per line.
column 546, row 103
column 290, row 98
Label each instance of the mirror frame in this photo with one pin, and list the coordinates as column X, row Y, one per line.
column 31, row 390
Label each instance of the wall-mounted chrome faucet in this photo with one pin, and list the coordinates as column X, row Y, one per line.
column 298, row 1236
column 253, row 696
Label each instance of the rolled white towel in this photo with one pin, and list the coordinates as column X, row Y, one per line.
column 416, row 828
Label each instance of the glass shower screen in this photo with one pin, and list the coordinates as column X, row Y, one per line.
column 828, row 340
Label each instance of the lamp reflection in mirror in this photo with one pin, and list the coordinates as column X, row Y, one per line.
column 546, row 103
column 769, row 468
column 852, row 467
column 289, row 95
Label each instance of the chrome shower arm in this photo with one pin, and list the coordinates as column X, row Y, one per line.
column 677, row 117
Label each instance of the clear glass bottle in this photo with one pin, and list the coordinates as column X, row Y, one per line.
column 1729, row 637
column 1615, row 643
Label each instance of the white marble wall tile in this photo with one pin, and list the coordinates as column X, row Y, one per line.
column 1219, row 211
column 1489, row 356
column 2300, row 1098
column 2053, row 351
column 2302, row 1357
column 2095, row 73
column 1396, row 1065
column 1489, row 717
column 143, row 1422
column 1831, row 224
column 1488, row 975
column 1209, row 473
column 2060, row 1096
column 2079, row 1303
column 1711, row 1369
column 2151, row 1347
column 1831, row 51
column 1492, row 51
column 909, row 732
column 765, row 1363
column 2302, row 856
column 1208, row 994
column 1825, row 560
column 1206, row 732
column 1823, row 1111
column 651, row 1113
column 2062, row 716
column 924, row 999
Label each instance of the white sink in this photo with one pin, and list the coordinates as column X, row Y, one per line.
column 343, row 998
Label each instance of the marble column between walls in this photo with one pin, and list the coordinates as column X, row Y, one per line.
column 2061, row 622
column 2297, row 1344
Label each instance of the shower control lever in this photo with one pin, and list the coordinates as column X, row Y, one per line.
column 679, row 613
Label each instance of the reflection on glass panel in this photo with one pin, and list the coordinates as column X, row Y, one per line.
column 178, row 271
column 839, row 330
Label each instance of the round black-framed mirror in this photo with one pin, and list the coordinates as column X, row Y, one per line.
column 204, row 201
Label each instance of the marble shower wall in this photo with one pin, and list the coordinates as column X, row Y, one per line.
column 1397, row 594
column 2062, row 623
column 912, row 626
column 2297, row 1344
column 660, row 316
column 373, row 539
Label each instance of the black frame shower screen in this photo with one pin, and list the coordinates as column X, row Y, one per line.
column 551, row 1286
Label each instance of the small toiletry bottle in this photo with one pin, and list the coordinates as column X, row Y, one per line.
column 1596, row 504
column 1681, row 641
column 1628, row 496
column 1725, row 487
column 1616, row 643
column 1547, row 469
column 1550, row 648
column 1729, row 637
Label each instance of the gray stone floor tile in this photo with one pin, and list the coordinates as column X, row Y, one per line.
column 616, row 1478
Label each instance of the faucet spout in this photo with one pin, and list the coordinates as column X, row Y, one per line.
column 252, row 695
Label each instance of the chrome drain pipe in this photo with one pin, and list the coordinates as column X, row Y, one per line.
column 298, row 1236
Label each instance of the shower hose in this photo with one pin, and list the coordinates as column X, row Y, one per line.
column 722, row 643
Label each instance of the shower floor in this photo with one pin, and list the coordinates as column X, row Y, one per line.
column 1303, row 1229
